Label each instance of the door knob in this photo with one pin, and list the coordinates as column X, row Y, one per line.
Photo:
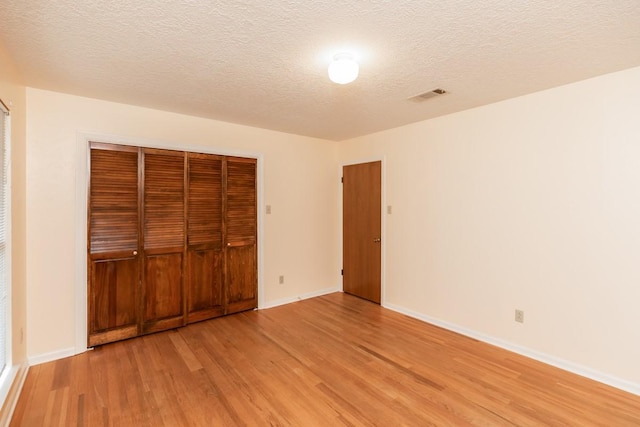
column 377, row 240
column 135, row 252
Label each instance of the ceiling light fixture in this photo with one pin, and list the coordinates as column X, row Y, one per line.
column 343, row 69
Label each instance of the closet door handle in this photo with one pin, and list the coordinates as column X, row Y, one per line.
column 135, row 252
column 237, row 243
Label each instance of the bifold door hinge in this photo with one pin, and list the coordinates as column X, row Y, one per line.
column 342, row 179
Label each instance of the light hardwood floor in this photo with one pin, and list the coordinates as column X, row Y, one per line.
column 333, row 360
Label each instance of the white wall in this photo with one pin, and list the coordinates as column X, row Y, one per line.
column 300, row 237
column 531, row 203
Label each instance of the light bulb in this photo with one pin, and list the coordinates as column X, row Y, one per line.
column 344, row 69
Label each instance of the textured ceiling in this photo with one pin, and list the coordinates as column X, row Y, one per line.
column 263, row 63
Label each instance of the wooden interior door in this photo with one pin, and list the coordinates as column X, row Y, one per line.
column 241, row 235
column 362, row 229
column 205, row 252
column 113, row 240
column 163, row 232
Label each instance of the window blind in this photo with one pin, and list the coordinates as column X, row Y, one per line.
column 4, row 312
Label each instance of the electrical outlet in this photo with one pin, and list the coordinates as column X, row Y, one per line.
column 281, row 280
column 519, row 316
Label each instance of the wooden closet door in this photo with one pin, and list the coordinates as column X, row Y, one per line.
column 113, row 240
column 204, row 237
column 241, row 231
column 163, row 231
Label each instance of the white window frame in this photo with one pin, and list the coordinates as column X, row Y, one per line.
column 10, row 370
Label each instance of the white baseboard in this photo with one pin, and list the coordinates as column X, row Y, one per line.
column 49, row 357
column 541, row 357
column 283, row 301
column 11, row 399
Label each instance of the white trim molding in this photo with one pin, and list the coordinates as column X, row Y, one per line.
column 283, row 301
column 16, row 378
column 565, row 365
column 39, row 359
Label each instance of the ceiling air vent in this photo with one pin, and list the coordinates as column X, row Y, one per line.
column 428, row 95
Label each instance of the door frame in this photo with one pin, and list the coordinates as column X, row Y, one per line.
column 383, row 222
column 80, row 212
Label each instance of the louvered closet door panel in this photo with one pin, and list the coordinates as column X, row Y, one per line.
column 164, row 239
column 163, row 199
column 114, row 199
column 241, row 201
column 241, row 234
column 205, row 200
column 204, row 237
column 113, row 264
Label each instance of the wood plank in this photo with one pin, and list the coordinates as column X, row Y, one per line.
column 331, row 360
